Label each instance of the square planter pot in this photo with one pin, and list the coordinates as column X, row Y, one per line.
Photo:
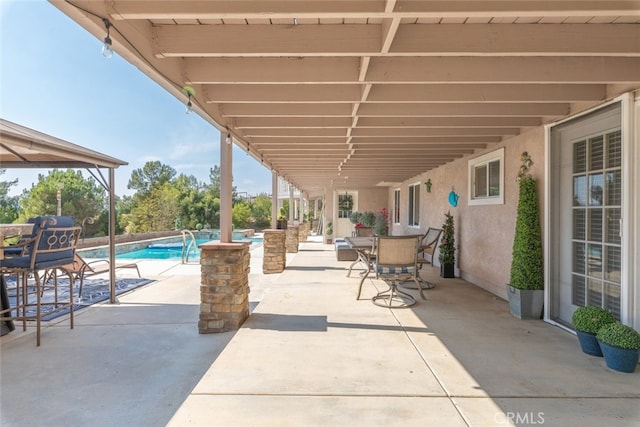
column 447, row 271
column 525, row 303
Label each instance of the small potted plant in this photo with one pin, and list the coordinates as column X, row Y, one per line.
column 447, row 255
column 329, row 232
column 620, row 345
column 587, row 321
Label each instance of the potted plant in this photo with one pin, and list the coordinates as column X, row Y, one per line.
column 587, row 321
column 329, row 232
column 526, row 289
column 447, row 255
column 381, row 222
column 620, row 345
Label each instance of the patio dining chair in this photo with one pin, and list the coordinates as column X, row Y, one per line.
column 396, row 262
column 426, row 252
column 51, row 247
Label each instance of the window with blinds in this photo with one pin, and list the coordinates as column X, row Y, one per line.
column 597, row 213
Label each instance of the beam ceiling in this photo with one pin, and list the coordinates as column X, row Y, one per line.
column 335, row 94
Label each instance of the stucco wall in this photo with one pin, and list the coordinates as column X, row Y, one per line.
column 372, row 199
column 484, row 234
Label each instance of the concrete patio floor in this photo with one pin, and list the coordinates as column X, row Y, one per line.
column 309, row 355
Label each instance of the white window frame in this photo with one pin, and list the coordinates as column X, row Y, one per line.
column 396, row 206
column 482, row 161
column 415, row 209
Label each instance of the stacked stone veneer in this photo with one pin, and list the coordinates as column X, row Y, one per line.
column 292, row 239
column 303, row 232
column 274, row 259
column 224, row 288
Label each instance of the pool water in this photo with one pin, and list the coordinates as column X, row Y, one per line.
column 173, row 250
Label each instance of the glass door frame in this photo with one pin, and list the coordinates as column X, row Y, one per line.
column 629, row 298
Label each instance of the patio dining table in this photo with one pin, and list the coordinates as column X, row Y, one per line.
column 363, row 247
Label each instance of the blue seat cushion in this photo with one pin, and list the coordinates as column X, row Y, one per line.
column 395, row 270
column 43, row 261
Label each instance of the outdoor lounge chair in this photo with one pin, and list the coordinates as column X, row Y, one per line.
column 80, row 269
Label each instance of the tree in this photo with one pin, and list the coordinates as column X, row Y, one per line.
column 79, row 197
column 9, row 205
column 241, row 214
column 261, row 211
column 152, row 175
column 156, row 211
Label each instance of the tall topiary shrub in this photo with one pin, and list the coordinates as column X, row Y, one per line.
column 448, row 241
column 527, row 264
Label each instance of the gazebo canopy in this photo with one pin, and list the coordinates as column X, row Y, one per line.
column 22, row 147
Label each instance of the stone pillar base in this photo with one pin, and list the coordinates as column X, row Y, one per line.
column 274, row 259
column 224, row 288
column 292, row 239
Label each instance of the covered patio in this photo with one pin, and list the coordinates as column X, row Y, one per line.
column 371, row 99
column 310, row 354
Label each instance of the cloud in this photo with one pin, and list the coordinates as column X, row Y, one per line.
column 191, row 150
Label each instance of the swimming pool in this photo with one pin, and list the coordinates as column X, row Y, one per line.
column 173, row 250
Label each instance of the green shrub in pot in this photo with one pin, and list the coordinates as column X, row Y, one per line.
column 619, row 335
column 591, row 318
column 620, row 345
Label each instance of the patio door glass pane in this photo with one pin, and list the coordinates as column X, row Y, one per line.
column 597, row 207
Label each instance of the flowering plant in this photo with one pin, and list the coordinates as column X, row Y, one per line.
column 382, row 222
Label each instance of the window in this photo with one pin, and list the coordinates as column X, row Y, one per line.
column 414, row 205
column 486, row 179
column 396, row 206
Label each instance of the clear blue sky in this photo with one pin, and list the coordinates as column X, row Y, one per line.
column 54, row 79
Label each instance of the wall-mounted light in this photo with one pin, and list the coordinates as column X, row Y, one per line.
column 107, row 47
column 189, row 91
column 295, row 22
column 228, row 139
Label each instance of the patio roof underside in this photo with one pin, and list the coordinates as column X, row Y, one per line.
column 349, row 94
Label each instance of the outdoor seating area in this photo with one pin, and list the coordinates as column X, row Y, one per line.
column 305, row 355
column 52, row 244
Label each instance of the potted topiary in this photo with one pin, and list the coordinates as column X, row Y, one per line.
column 447, row 255
column 587, row 321
column 329, row 232
column 620, row 345
column 526, row 289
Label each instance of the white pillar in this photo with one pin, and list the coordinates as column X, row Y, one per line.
column 274, row 200
column 226, row 181
column 301, row 215
column 291, row 202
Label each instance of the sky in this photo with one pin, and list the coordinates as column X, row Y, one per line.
column 54, row 79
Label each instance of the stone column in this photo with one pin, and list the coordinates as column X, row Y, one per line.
column 292, row 239
column 302, row 232
column 274, row 259
column 224, row 288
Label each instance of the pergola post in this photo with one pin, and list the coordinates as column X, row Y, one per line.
column 274, row 200
column 226, row 180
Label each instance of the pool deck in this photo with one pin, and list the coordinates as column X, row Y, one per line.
column 309, row 355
